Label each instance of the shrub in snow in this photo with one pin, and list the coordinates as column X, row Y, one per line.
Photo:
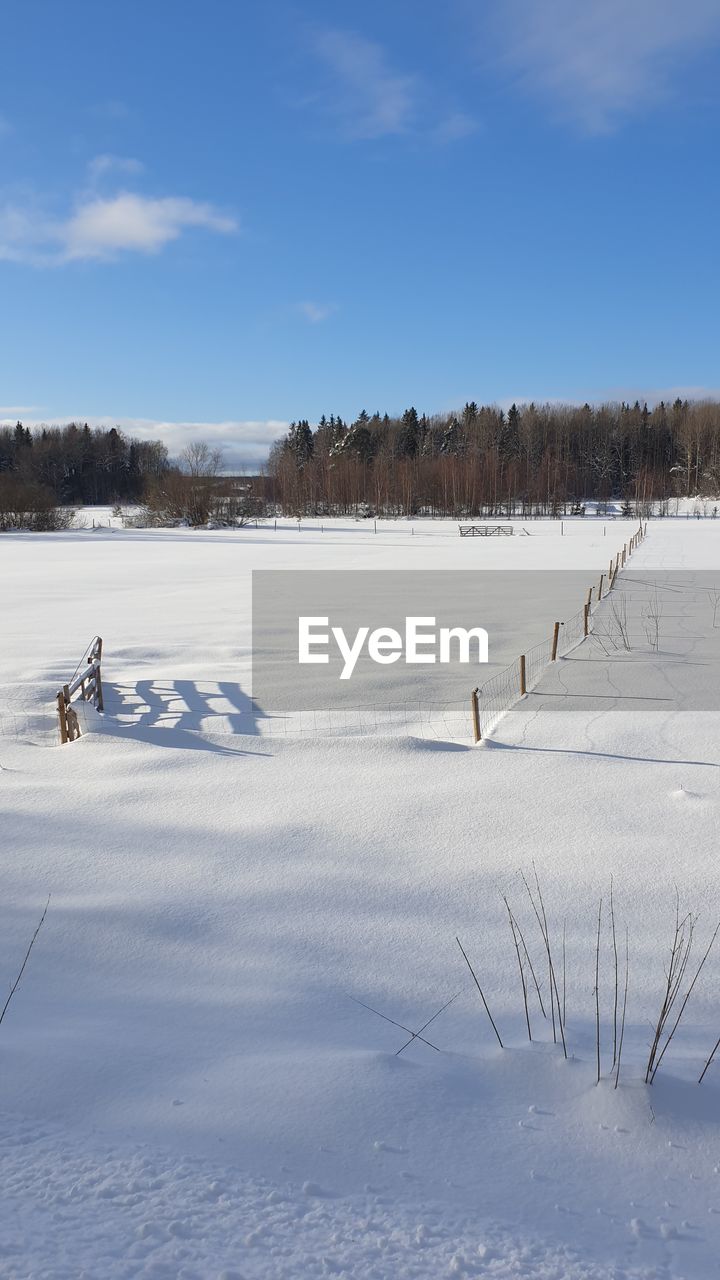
column 26, row 505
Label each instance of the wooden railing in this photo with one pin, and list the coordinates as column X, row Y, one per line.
column 485, row 530
column 87, row 682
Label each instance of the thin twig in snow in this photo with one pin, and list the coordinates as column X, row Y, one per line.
column 16, row 983
column 415, row 1035
column 563, row 971
column 597, row 992
column 531, row 967
column 688, row 993
column 546, row 935
column 622, row 1023
column 679, row 956
column 615, row 954
column 716, row 1046
column 393, row 1023
column 542, row 930
column 482, row 997
column 520, row 965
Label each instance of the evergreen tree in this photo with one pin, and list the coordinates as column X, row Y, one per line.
column 300, row 442
column 407, row 438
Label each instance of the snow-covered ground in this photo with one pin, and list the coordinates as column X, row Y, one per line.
column 190, row 1087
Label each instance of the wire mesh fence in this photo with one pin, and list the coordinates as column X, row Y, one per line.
column 439, row 721
column 29, row 713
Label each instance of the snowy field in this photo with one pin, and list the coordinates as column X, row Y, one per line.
column 190, row 1086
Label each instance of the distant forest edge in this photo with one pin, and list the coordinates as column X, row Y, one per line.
column 531, row 460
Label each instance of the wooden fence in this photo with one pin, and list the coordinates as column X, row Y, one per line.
column 86, row 686
column 490, row 701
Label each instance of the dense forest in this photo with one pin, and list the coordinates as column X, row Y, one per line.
column 82, row 465
column 532, row 459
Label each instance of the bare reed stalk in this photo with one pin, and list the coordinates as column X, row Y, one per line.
column 564, row 969
column 541, row 917
column 553, row 979
column 530, row 966
column 688, row 993
column 16, row 983
column 624, row 1008
column 679, row 955
column 615, row 954
column 520, row 965
column 482, row 997
column 597, row 992
column 539, row 920
column 716, row 1046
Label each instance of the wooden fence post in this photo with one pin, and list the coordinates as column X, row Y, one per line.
column 62, row 717
column 556, row 636
column 71, row 720
column 475, row 712
column 99, row 691
column 73, row 724
column 98, row 678
column 585, row 619
column 523, row 685
column 602, row 575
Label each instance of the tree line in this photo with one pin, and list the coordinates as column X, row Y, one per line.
column 44, row 474
column 531, row 460
column 539, row 459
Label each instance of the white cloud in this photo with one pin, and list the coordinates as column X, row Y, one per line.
column 316, row 312
column 599, row 60
column 101, row 228
column 243, row 443
column 373, row 99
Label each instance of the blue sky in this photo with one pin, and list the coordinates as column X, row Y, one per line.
column 235, row 214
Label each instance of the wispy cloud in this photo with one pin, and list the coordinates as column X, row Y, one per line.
column 316, row 312
column 368, row 98
column 5, row 126
column 372, row 98
column 105, row 164
column 454, row 127
column 244, row 443
column 653, row 395
column 102, row 228
column 112, row 109
column 600, row 60
column 616, row 395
